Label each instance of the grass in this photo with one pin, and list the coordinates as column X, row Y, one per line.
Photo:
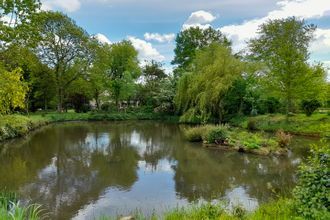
column 281, row 209
column 11, row 209
column 315, row 125
column 235, row 138
column 16, row 125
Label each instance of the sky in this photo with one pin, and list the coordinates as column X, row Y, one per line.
column 151, row 25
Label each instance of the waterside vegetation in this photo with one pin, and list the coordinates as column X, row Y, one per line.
column 230, row 138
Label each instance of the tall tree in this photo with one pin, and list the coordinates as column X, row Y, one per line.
column 124, row 70
column 201, row 92
column 15, row 19
column 98, row 76
column 152, row 76
column 63, row 46
column 192, row 39
column 283, row 46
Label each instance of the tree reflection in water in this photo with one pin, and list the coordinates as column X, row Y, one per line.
column 72, row 167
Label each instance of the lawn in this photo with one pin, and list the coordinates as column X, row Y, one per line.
column 315, row 125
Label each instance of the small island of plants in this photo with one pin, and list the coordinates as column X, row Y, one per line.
column 229, row 138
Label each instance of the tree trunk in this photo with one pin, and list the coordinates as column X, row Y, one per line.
column 97, row 99
column 60, row 100
column 220, row 112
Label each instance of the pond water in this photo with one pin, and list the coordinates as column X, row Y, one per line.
column 81, row 170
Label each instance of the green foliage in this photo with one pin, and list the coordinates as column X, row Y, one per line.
column 251, row 124
column 17, row 29
column 12, row 90
column 196, row 134
column 280, row 209
column 200, row 94
column 310, row 106
column 283, row 46
column 63, row 47
column 217, row 135
column 192, row 39
column 156, row 89
column 11, row 209
column 124, row 69
column 247, row 140
column 312, row 191
column 204, row 211
column 225, row 135
column 316, row 125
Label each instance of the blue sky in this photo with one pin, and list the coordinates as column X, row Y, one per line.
column 151, row 25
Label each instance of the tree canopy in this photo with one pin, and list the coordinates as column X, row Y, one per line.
column 192, row 39
column 283, row 46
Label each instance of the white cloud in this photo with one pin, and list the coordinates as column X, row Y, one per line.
column 161, row 38
column 305, row 9
column 146, row 50
column 327, row 66
column 102, row 38
column 321, row 43
column 67, row 5
column 200, row 19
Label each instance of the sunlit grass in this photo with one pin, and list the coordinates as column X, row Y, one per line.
column 317, row 124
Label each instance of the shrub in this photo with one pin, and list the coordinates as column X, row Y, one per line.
column 106, row 107
column 195, row 134
column 310, row 106
column 312, row 191
column 252, row 125
column 272, row 105
column 216, row 135
column 283, row 139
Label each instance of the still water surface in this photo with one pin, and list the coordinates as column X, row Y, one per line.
column 81, row 170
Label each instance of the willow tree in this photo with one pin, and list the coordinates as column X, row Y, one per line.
column 64, row 47
column 201, row 92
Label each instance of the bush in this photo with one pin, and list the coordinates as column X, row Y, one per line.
column 310, row 106
column 216, row 135
column 283, row 139
column 195, row 134
column 312, row 191
column 252, row 125
column 106, row 107
column 79, row 102
column 272, row 105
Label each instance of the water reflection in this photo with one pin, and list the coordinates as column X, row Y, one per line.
column 82, row 170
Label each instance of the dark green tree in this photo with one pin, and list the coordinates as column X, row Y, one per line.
column 63, row 47
column 192, row 39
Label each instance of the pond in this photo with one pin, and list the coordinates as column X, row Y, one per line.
column 81, row 170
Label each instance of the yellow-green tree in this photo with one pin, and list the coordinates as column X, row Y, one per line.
column 12, row 90
column 201, row 93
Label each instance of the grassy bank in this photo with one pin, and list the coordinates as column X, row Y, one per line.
column 315, row 125
column 12, row 126
column 229, row 138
